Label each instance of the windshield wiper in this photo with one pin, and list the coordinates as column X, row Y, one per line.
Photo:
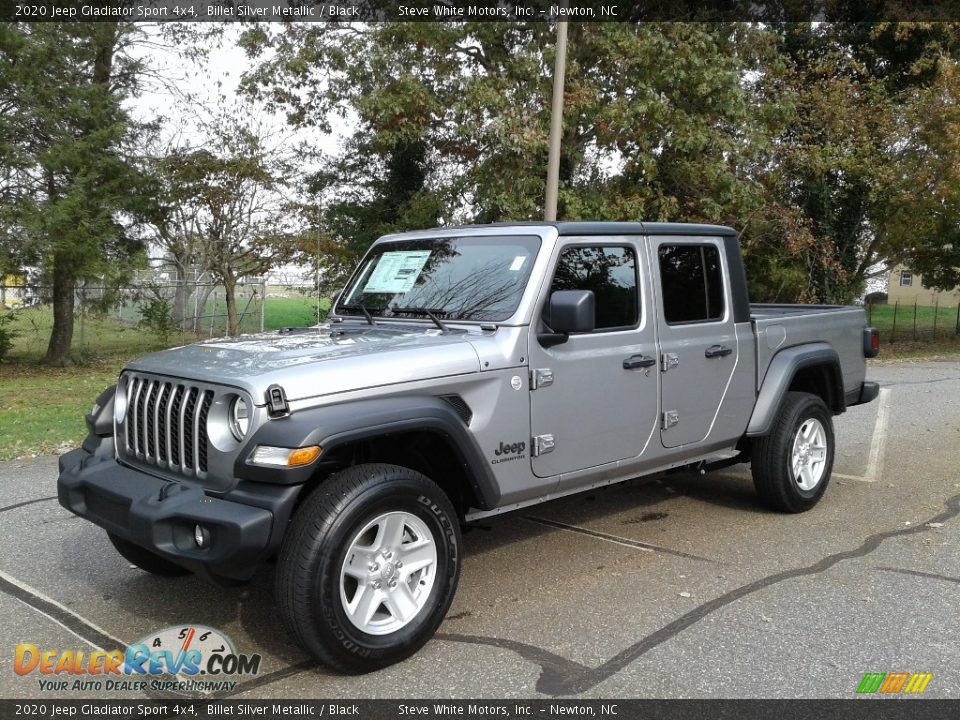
column 361, row 308
column 428, row 311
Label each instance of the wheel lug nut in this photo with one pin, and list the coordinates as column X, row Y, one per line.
column 399, row 563
column 374, row 567
column 393, row 584
column 376, row 585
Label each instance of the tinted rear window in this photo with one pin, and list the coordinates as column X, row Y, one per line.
column 692, row 281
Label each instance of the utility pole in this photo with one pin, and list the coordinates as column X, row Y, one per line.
column 317, row 266
column 556, row 124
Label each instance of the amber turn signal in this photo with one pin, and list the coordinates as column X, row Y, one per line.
column 303, row 456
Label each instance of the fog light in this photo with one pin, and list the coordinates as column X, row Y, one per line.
column 200, row 536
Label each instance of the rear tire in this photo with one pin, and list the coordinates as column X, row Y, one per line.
column 792, row 464
column 146, row 560
column 369, row 567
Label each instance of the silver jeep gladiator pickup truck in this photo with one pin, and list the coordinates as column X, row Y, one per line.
column 463, row 372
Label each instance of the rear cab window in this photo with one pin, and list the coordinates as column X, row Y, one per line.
column 691, row 281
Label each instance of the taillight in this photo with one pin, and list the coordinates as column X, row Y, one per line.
column 871, row 342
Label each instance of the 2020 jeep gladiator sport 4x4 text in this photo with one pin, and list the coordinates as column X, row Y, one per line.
column 462, row 372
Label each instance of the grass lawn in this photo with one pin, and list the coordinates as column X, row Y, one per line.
column 295, row 310
column 881, row 317
column 42, row 408
column 93, row 338
column 903, row 344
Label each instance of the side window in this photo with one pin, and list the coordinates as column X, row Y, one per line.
column 692, row 281
column 906, row 279
column 611, row 272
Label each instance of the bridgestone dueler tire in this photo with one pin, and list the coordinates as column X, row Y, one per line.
column 771, row 462
column 146, row 560
column 313, row 553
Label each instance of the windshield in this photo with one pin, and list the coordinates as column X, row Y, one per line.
column 465, row 278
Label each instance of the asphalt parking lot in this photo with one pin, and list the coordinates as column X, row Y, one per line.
column 679, row 586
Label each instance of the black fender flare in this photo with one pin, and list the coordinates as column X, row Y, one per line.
column 100, row 424
column 780, row 374
column 332, row 426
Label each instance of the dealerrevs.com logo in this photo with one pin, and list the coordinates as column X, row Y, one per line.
column 191, row 658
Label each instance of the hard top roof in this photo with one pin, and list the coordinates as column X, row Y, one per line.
column 589, row 227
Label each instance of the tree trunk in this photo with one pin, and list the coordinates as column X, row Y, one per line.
column 181, row 296
column 201, row 305
column 230, row 290
column 61, row 336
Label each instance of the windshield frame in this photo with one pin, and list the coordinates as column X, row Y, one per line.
column 344, row 309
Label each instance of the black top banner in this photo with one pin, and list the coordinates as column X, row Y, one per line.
column 770, row 11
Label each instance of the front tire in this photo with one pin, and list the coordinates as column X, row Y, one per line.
column 369, row 567
column 792, row 464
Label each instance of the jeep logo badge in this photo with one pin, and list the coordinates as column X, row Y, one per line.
column 510, row 448
column 509, row 451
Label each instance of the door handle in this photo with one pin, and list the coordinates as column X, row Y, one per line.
column 638, row 361
column 717, row 351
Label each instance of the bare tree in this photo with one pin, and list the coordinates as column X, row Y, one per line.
column 233, row 208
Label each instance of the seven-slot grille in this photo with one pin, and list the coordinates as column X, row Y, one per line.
column 166, row 424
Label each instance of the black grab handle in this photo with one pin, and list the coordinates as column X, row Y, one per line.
column 717, row 351
column 638, row 361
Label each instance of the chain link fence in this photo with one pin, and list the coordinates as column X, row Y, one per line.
column 902, row 322
column 148, row 314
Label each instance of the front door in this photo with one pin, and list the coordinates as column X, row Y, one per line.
column 698, row 342
column 593, row 399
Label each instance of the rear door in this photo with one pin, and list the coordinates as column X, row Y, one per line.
column 593, row 399
column 698, row 344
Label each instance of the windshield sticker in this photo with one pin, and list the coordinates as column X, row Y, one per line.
column 518, row 263
column 396, row 272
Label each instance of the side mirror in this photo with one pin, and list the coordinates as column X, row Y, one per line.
column 571, row 311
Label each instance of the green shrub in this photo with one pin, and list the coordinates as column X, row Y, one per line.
column 7, row 333
column 155, row 316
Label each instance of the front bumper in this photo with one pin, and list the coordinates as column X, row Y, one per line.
column 245, row 525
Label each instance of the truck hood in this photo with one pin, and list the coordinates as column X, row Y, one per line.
column 319, row 361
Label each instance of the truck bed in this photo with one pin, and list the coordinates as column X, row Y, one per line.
column 781, row 326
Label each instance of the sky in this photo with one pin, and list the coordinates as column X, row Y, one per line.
column 209, row 82
column 187, row 93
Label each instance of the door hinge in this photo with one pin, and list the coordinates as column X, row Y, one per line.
column 670, row 418
column 541, row 377
column 542, row 444
column 668, row 361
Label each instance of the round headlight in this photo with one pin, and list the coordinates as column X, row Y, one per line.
column 239, row 418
